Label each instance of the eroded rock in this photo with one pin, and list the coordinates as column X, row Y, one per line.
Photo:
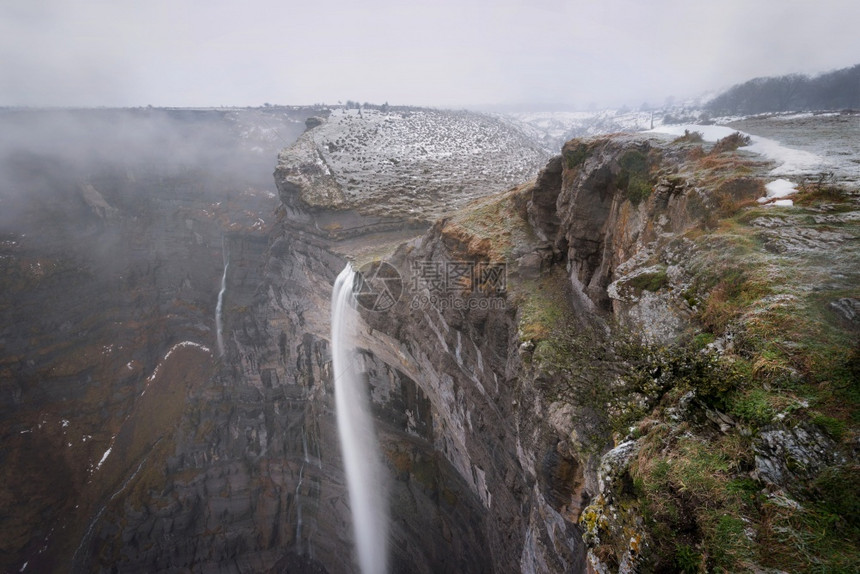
column 783, row 457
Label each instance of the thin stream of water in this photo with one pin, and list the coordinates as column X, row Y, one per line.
column 361, row 458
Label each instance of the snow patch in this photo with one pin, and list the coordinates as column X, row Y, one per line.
column 780, row 188
column 170, row 352
column 777, row 191
column 791, row 161
column 105, row 455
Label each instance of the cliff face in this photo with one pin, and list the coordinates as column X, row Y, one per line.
column 488, row 413
column 550, row 394
column 527, row 452
column 576, row 374
column 112, row 250
column 612, row 203
column 240, row 469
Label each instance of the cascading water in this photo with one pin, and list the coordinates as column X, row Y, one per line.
column 357, row 440
column 219, row 321
column 299, row 510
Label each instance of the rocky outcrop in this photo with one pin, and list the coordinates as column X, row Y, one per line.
column 405, row 163
column 787, row 457
column 466, row 360
column 596, row 203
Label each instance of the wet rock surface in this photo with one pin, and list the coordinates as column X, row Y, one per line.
column 848, row 309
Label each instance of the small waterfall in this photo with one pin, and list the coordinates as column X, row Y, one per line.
column 305, row 445
column 299, row 511
column 357, row 440
column 219, row 321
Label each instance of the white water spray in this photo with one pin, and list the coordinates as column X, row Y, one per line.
column 357, row 440
column 219, row 321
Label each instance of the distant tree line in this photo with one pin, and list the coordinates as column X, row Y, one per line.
column 351, row 105
column 832, row 91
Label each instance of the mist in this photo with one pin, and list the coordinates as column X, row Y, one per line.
column 46, row 156
column 449, row 53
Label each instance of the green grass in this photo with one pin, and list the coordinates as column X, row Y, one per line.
column 834, row 427
column 544, row 309
column 702, row 340
column 785, row 359
column 751, row 406
column 634, row 176
column 575, row 155
column 820, row 536
column 649, row 281
column 696, row 492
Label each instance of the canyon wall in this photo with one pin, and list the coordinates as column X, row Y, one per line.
column 530, row 362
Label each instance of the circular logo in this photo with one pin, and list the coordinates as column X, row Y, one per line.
column 378, row 286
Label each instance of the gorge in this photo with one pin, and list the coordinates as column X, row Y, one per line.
column 626, row 363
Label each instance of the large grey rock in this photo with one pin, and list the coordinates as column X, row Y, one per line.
column 785, row 456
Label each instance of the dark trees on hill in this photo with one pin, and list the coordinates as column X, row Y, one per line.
column 832, row 91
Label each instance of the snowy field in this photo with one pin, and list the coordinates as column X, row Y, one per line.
column 553, row 129
column 801, row 146
column 424, row 158
column 833, row 137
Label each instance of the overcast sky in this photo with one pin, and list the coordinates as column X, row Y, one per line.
column 442, row 53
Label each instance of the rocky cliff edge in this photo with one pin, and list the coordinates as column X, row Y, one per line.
column 666, row 379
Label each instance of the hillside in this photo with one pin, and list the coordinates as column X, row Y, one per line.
column 836, row 90
column 553, row 129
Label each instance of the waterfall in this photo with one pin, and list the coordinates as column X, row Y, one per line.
column 299, row 511
column 357, row 440
column 219, row 321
